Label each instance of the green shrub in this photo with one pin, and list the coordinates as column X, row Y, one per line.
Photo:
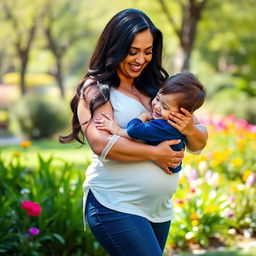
column 230, row 101
column 40, row 118
column 58, row 190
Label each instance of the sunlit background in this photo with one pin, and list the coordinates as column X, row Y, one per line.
column 45, row 47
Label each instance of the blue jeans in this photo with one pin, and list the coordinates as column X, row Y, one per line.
column 123, row 234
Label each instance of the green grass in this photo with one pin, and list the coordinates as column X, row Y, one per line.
column 46, row 148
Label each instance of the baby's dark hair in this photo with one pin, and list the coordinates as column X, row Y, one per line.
column 190, row 91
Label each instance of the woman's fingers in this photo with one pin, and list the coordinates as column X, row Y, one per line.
column 166, row 169
column 186, row 112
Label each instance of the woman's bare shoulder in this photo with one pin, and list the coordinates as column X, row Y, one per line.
column 89, row 89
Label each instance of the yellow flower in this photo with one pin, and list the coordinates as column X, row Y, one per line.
column 219, row 157
column 182, row 180
column 211, row 208
column 234, row 188
column 25, row 144
column 237, row 162
column 16, row 154
column 194, row 216
column 246, row 174
column 201, row 159
column 241, row 144
column 195, row 223
column 188, row 158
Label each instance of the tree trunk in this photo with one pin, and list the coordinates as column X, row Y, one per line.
column 58, row 53
column 186, row 31
column 23, row 69
column 1, row 67
column 22, row 49
column 59, row 76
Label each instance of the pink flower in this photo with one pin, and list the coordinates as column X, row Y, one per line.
column 35, row 210
column 232, row 199
column 251, row 128
column 220, row 126
column 251, row 179
column 34, row 231
column 193, row 175
column 32, row 208
column 230, row 214
column 241, row 123
column 26, row 205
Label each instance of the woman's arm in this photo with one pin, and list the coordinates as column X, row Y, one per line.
column 188, row 125
column 124, row 149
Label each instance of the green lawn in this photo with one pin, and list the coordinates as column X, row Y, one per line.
column 69, row 152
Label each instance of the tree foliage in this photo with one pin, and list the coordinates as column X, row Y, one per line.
column 23, row 21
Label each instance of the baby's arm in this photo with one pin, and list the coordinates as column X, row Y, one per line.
column 108, row 123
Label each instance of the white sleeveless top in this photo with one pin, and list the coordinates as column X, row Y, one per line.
column 140, row 188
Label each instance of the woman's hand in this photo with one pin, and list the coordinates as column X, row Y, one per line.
column 182, row 122
column 166, row 157
column 187, row 124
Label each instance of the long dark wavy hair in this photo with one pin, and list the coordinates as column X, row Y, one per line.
column 112, row 48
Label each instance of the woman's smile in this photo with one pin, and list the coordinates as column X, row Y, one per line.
column 136, row 68
column 140, row 54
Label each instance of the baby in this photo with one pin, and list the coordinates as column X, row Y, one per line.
column 182, row 90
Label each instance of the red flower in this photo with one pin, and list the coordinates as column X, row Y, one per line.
column 192, row 190
column 180, row 202
column 32, row 208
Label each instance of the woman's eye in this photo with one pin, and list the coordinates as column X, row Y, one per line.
column 132, row 53
column 148, row 53
column 164, row 107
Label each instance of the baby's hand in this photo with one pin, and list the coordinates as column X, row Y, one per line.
column 145, row 116
column 107, row 123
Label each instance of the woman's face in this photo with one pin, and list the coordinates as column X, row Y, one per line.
column 139, row 56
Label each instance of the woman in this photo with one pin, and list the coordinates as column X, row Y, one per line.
column 128, row 197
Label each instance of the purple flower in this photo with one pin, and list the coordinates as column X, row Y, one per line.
column 34, row 231
column 27, row 236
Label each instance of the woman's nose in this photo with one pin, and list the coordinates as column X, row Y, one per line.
column 140, row 58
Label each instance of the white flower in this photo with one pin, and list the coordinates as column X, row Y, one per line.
column 232, row 231
column 25, row 191
column 202, row 166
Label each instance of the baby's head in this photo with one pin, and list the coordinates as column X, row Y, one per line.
column 182, row 90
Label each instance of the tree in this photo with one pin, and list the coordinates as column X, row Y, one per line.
column 63, row 26
column 230, row 49
column 23, row 20
column 186, row 27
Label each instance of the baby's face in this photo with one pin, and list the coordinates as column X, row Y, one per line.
column 163, row 105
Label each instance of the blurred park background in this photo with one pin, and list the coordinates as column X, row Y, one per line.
column 45, row 47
